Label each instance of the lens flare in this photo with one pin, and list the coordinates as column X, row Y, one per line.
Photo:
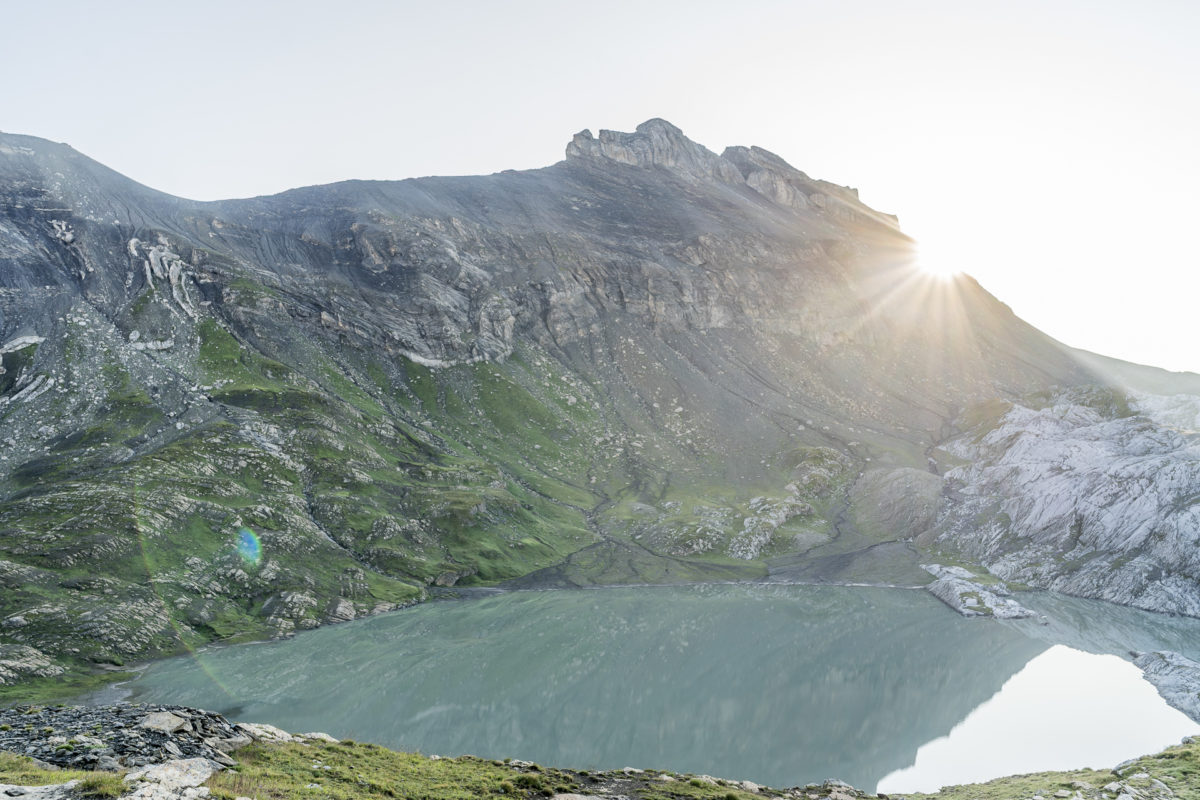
column 249, row 547
column 185, row 635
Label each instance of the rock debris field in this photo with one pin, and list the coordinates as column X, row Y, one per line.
column 117, row 736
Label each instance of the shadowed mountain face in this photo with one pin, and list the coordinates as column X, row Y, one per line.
column 645, row 363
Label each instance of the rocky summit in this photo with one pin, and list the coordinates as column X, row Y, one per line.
column 645, row 363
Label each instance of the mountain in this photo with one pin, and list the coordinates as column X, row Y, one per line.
column 645, row 363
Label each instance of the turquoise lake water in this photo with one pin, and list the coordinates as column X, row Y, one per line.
column 779, row 684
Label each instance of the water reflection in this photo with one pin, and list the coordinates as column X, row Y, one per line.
column 777, row 684
column 782, row 685
column 1098, row 627
column 1065, row 709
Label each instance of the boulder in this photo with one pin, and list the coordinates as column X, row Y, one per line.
column 164, row 721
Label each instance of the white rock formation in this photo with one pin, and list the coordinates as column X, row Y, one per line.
column 20, row 342
column 174, row 779
column 164, row 264
column 1086, row 502
column 960, row 589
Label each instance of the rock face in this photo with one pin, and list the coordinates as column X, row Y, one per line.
column 57, row 791
column 19, row 661
column 1088, row 492
column 656, row 143
column 252, row 417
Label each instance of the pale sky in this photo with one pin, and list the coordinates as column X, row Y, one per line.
column 1057, row 713
column 1051, row 148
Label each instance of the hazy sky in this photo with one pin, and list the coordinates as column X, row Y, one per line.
column 1051, row 149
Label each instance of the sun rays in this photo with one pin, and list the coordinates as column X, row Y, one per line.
column 925, row 322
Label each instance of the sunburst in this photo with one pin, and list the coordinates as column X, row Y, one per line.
column 937, row 263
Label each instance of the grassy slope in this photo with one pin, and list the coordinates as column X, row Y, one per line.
column 365, row 477
column 353, row 499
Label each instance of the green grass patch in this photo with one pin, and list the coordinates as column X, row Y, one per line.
column 21, row 771
column 240, row 368
column 76, row 681
column 695, row 789
column 101, row 784
column 355, row 770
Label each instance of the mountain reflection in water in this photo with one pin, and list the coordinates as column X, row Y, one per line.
column 782, row 685
column 1065, row 708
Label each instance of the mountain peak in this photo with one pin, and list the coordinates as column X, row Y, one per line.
column 655, row 143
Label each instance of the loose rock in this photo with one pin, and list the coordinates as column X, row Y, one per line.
column 115, row 736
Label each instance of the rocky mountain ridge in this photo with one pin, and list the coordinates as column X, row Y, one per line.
column 645, row 363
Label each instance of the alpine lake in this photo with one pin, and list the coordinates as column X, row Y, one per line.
column 884, row 688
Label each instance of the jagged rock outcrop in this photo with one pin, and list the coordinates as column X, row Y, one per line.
column 1091, row 493
column 181, row 779
column 21, row 661
column 656, row 143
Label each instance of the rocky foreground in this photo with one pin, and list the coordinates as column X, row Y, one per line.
column 174, row 753
column 118, row 736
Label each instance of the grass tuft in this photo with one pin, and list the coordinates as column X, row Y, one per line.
column 101, row 784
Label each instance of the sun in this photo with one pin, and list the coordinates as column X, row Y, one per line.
column 940, row 271
column 938, row 265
